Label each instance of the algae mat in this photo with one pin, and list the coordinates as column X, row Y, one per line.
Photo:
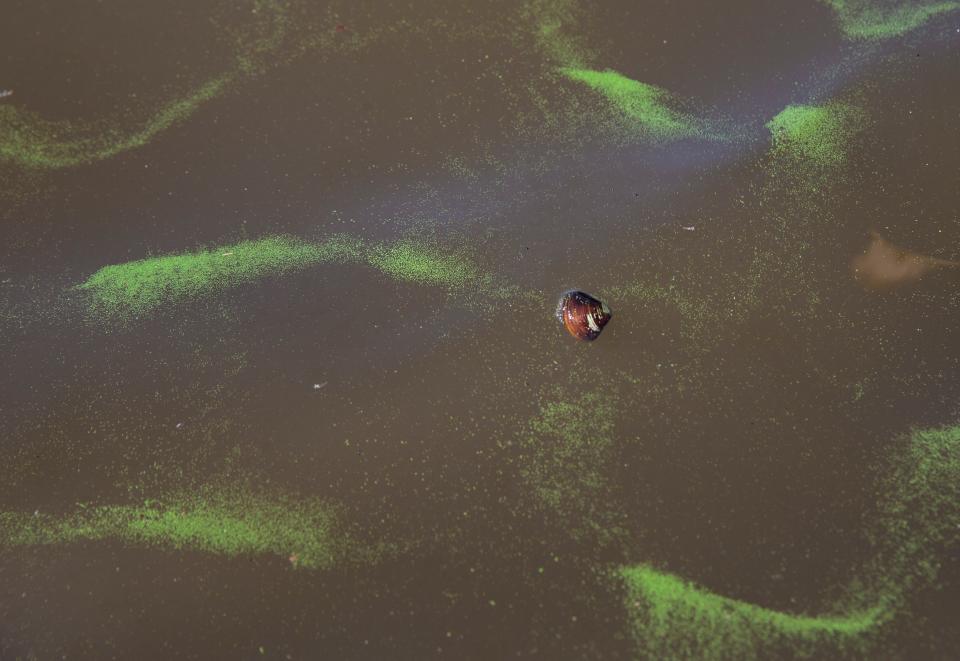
column 282, row 376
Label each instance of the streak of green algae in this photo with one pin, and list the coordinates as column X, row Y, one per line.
column 647, row 105
column 221, row 519
column 32, row 142
column 674, row 619
column 919, row 516
column 819, row 135
column 871, row 20
column 621, row 109
column 135, row 289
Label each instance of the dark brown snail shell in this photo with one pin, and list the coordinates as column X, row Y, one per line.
column 582, row 315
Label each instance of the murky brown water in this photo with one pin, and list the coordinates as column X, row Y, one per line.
column 751, row 410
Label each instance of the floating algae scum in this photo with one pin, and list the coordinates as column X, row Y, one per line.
column 673, row 618
column 270, row 39
column 135, row 289
column 572, row 427
column 670, row 617
column 568, row 451
column 870, row 21
column 276, row 33
column 818, row 135
column 221, row 519
column 647, row 106
column 919, row 515
column 804, row 137
column 32, row 142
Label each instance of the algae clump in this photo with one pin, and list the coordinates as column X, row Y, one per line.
column 222, row 520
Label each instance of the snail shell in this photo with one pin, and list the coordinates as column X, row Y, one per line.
column 582, row 315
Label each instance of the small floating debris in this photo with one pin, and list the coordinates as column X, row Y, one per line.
column 5, row 93
column 883, row 265
column 582, row 315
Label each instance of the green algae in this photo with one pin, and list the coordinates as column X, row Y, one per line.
column 423, row 264
column 725, row 284
column 918, row 514
column 136, row 289
column 918, row 517
column 567, row 456
column 678, row 620
column 259, row 44
column 819, row 135
column 618, row 110
column 870, row 20
column 278, row 33
column 549, row 21
column 221, row 519
column 648, row 107
column 36, row 143
column 32, row 142
column 699, row 313
column 632, row 106
column 715, row 289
